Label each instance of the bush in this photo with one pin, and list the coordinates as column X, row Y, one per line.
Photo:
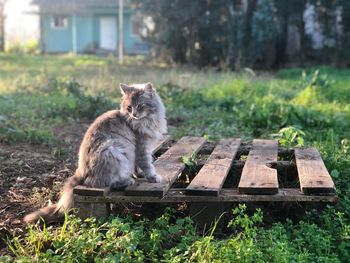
column 31, row 47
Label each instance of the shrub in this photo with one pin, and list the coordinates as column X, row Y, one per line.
column 30, row 47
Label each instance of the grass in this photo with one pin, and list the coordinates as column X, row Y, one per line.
column 299, row 107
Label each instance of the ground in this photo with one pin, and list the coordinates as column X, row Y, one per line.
column 47, row 103
column 26, row 166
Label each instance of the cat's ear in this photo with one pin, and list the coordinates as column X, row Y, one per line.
column 125, row 89
column 149, row 88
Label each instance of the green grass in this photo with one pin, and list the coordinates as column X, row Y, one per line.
column 310, row 108
column 173, row 239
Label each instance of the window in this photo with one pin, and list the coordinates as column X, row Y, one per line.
column 135, row 26
column 59, row 22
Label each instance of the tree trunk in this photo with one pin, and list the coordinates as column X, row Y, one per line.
column 247, row 34
column 283, row 10
column 303, row 40
column 2, row 25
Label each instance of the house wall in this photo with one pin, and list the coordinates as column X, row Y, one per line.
column 129, row 39
column 57, row 40
column 61, row 39
column 96, row 26
column 84, row 34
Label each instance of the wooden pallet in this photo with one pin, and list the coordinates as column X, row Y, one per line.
column 227, row 171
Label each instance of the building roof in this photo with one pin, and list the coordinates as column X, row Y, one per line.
column 74, row 6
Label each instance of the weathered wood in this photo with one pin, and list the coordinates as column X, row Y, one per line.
column 282, row 152
column 211, row 177
column 85, row 209
column 169, row 166
column 280, row 164
column 256, row 177
column 313, row 174
column 161, row 143
column 244, row 149
column 226, row 195
column 259, row 170
column 90, row 191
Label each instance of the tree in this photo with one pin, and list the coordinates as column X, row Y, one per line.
column 2, row 25
column 331, row 17
column 241, row 33
column 344, row 39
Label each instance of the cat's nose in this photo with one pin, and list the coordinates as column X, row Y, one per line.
column 134, row 114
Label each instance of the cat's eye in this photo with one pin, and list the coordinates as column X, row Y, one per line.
column 129, row 108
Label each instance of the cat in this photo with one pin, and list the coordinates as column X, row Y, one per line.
column 115, row 144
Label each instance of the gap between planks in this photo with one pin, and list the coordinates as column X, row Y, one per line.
column 169, row 165
column 161, row 143
column 211, row 177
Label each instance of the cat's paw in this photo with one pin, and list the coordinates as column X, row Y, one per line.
column 141, row 174
column 155, row 178
column 121, row 185
column 161, row 179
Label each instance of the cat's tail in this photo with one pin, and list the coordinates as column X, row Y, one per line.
column 55, row 212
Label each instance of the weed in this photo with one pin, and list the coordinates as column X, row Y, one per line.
column 290, row 137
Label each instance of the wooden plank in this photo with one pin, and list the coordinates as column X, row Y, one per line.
column 256, row 177
column 91, row 209
column 282, row 152
column 160, row 144
column 226, row 195
column 169, row 165
column 313, row 174
column 211, row 177
column 90, row 191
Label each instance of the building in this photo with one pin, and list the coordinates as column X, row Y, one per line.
column 88, row 26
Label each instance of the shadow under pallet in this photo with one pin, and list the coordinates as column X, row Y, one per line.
column 220, row 173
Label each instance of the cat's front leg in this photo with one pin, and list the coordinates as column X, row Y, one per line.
column 144, row 161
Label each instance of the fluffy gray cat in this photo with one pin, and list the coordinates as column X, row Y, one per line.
column 114, row 144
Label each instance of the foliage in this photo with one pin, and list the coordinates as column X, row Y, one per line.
column 112, row 240
column 30, row 47
column 264, row 29
column 235, row 34
column 290, row 137
column 171, row 239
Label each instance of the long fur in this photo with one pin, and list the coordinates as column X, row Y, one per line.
column 55, row 212
column 107, row 154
